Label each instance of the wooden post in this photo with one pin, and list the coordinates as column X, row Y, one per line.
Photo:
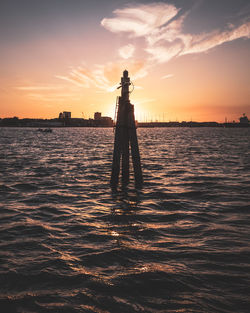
column 125, row 134
column 117, row 152
column 135, row 150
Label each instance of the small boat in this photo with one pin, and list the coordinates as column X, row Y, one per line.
column 45, row 130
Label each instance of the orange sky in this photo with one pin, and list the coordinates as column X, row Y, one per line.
column 182, row 67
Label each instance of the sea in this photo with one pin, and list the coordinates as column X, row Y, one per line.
column 70, row 244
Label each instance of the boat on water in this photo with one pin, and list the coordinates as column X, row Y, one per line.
column 45, row 130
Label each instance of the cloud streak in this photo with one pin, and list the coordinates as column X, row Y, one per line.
column 205, row 42
column 167, row 76
column 52, row 98
column 140, row 20
column 127, row 51
column 160, row 25
column 104, row 77
column 49, row 92
column 39, row 88
column 162, row 29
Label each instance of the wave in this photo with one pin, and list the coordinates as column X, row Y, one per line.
column 70, row 244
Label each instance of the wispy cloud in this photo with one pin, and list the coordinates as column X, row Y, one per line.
column 162, row 54
column 167, row 76
column 37, row 88
column 104, row 77
column 52, row 98
column 142, row 101
column 160, row 25
column 162, row 28
column 49, row 92
column 140, row 20
column 138, row 87
column 68, row 79
column 127, row 51
column 205, row 42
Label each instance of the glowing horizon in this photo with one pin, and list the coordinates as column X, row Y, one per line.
column 189, row 60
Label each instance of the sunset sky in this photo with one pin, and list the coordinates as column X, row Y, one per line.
column 188, row 59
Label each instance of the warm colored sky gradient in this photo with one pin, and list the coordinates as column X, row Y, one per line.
column 188, row 59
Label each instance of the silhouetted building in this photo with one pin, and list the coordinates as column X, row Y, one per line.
column 106, row 121
column 97, row 115
column 65, row 118
column 243, row 119
column 102, row 121
column 65, row 115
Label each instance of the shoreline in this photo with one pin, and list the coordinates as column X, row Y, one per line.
column 146, row 125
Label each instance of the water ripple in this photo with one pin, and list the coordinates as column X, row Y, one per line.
column 70, row 244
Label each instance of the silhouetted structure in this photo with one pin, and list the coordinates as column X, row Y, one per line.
column 97, row 115
column 65, row 117
column 102, row 121
column 243, row 119
column 125, row 134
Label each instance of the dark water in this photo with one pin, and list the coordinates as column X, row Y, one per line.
column 181, row 244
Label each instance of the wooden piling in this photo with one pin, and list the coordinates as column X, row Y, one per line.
column 135, row 151
column 125, row 137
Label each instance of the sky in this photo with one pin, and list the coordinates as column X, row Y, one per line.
column 188, row 59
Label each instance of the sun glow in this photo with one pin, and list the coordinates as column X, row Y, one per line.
column 171, row 57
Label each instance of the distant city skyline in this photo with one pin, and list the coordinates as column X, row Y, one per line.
column 188, row 59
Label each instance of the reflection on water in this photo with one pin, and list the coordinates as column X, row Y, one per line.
column 70, row 244
column 122, row 224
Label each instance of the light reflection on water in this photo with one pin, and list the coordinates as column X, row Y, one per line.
column 68, row 244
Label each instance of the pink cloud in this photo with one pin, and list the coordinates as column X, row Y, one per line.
column 162, row 29
column 104, row 77
column 127, row 51
column 140, row 20
column 205, row 42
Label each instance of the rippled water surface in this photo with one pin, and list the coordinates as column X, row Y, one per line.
column 68, row 244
